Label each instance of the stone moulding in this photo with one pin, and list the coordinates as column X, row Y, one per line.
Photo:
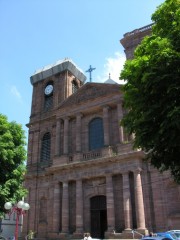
column 59, row 66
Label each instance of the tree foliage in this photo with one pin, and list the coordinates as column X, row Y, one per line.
column 12, row 161
column 152, row 91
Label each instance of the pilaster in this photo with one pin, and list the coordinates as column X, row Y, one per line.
column 110, row 204
column 66, row 133
column 120, row 116
column 79, row 209
column 65, row 209
column 78, row 132
column 58, row 130
column 106, row 125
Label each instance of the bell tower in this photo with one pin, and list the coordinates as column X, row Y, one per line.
column 52, row 85
column 132, row 39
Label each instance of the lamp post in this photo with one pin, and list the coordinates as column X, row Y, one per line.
column 20, row 208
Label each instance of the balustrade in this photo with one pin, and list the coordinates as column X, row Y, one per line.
column 92, row 155
column 145, row 28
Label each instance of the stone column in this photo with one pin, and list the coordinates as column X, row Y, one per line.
column 65, row 208
column 79, row 207
column 110, row 204
column 106, row 125
column 56, row 208
column 127, row 202
column 58, row 130
column 66, row 130
column 139, row 200
column 120, row 116
column 78, row 132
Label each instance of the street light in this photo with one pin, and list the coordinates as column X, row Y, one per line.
column 20, row 208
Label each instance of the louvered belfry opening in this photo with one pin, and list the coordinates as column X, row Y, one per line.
column 48, row 103
column 74, row 86
column 46, row 147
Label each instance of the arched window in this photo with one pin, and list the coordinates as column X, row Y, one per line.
column 96, row 134
column 74, row 86
column 46, row 147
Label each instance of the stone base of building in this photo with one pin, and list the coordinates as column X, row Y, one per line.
column 77, row 235
column 136, row 234
column 63, row 235
column 53, row 235
column 112, row 235
column 127, row 234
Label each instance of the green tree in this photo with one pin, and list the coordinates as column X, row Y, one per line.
column 12, row 160
column 152, row 91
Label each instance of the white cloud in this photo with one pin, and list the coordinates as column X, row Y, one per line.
column 16, row 93
column 113, row 66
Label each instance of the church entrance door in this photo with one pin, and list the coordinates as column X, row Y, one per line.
column 98, row 216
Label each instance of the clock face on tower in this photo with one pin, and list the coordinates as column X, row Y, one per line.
column 48, row 89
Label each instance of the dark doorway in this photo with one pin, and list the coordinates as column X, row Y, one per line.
column 98, row 216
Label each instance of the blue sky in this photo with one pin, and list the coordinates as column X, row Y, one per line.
column 36, row 33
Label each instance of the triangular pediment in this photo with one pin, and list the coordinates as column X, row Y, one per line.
column 91, row 91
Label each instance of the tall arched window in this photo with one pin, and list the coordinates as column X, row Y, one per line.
column 46, row 147
column 96, row 134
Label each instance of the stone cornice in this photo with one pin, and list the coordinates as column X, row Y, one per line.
column 53, row 69
column 86, row 166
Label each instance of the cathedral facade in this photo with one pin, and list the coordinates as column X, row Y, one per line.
column 82, row 173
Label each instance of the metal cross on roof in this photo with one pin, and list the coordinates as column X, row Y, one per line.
column 90, row 70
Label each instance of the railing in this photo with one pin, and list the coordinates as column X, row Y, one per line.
column 92, row 155
column 110, row 151
column 106, row 152
column 135, row 232
column 145, row 28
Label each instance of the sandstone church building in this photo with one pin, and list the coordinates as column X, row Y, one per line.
column 82, row 172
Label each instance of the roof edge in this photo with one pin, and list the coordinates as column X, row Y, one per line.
column 56, row 68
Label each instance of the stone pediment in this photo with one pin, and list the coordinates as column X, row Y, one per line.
column 91, row 91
